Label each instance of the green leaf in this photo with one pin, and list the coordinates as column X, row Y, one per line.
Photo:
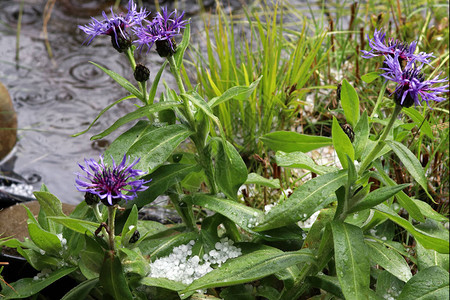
column 405, row 201
column 352, row 264
column 134, row 262
column 112, row 278
column 350, row 103
column 301, row 161
column 376, row 197
column 369, row 77
column 361, row 135
column 254, row 178
column 156, row 146
column 244, row 216
column 288, row 141
column 431, row 283
column 154, row 87
column 49, row 203
column 122, row 81
column 410, row 162
column 163, row 283
column 80, row 226
column 181, row 48
column 231, row 171
column 27, row 287
column 237, row 292
column 388, row 286
column 162, row 178
column 130, row 223
column 389, row 259
column 122, row 144
column 420, row 121
column 342, row 144
column 249, row 267
column 141, row 112
column 306, row 200
column 428, row 211
column 100, row 114
column 81, row 291
column 236, row 92
column 428, row 241
column 45, row 240
column 429, row 258
column 161, row 247
column 326, row 283
column 91, row 258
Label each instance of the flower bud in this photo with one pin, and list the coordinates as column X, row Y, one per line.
column 348, row 131
column 164, row 48
column 141, row 73
column 120, row 43
column 91, row 199
column 135, row 237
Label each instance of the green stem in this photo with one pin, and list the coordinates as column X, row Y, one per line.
column 176, row 72
column 111, row 221
column 142, row 85
column 380, row 97
column 380, row 143
column 184, row 210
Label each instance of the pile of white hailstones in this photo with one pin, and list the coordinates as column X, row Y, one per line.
column 180, row 266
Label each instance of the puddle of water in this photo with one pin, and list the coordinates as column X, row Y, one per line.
column 55, row 98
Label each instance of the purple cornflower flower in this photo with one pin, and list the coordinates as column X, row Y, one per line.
column 391, row 47
column 109, row 182
column 115, row 26
column 161, row 31
column 411, row 83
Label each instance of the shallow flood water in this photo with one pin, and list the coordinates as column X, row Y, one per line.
column 57, row 92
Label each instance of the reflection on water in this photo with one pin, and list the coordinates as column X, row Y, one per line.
column 59, row 96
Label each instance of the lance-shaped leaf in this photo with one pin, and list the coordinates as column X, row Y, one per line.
column 302, row 161
column 141, row 112
column 306, row 199
column 81, row 291
column 181, row 48
column 231, row 171
column 389, row 259
column 352, row 264
column 376, row 197
column 161, row 247
column 254, row 178
column 27, row 287
column 431, row 283
column 410, row 162
column 244, row 216
column 369, row 77
column 162, row 178
column 80, row 226
column 122, row 81
column 251, row 266
column 235, row 92
column 156, row 146
column 428, row 241
column 361, row 135
column 112, row 278
column 163, row 283
column 288, row 141
column 350, row 103
column 342, row 144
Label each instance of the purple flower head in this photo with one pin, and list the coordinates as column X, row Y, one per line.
column 116, row 25
column 411, row 83
column 161, row 31
column 109, row 183
column 391, row 47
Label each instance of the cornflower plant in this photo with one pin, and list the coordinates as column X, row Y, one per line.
column 235, row 250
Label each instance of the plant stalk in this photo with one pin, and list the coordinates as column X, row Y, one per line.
column 380, row 97
column 380, row 143
column 111, row 221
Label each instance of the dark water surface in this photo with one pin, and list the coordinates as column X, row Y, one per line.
column 59, row 95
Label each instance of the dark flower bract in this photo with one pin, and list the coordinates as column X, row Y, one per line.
column 110, row 182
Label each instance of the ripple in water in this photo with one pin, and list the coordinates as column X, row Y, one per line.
column 10, row 13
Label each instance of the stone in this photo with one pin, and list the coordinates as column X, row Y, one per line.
column 8, row 123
